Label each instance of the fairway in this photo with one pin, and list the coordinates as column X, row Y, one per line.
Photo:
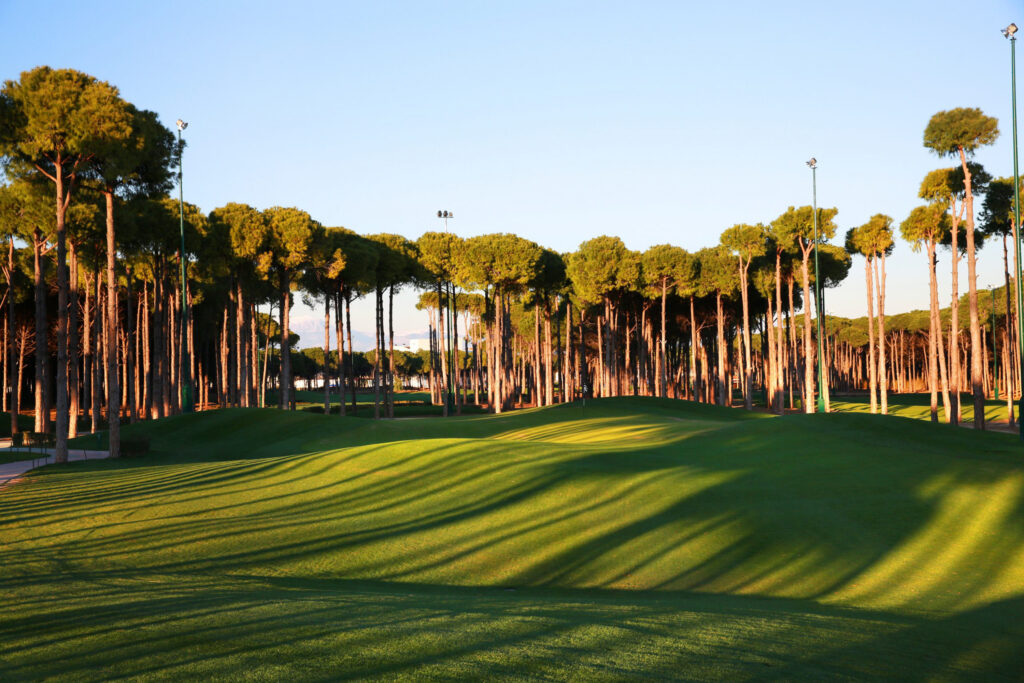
column 632, row 537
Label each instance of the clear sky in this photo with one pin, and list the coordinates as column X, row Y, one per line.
column 559, row 121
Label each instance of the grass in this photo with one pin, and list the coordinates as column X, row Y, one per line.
column 363, row 397
column 407, row 404
column 15, row 456
column 637, row 537
column 918, row 406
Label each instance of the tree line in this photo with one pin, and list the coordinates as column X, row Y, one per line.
column 95, row 293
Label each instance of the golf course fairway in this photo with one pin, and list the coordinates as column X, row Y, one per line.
column 630, row 538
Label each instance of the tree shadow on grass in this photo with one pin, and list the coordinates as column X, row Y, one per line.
column 857, row 510
column 173, row 626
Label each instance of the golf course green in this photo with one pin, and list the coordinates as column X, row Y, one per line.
column 627, row 538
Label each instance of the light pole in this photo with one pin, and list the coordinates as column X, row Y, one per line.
column 451, row 345
column 813, row 163
column 1010, row 33
column 186, row 365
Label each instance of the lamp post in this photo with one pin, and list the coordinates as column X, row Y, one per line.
column 451, row 345
column 813, row 163
column 1010, row 33
column 186, row 365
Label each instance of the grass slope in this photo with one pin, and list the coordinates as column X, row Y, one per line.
column 918, row 407
column 635, row 537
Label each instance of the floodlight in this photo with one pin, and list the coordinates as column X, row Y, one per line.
column 813, row 163
column 1009, row 31
column 182, row 125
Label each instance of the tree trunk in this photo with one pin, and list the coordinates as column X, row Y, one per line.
column 1008, row 374
column 132, row 359
column 780, row 351
column 954, row 334
column 351, row 351
column 809, row 354
column 42, row 408
column 883, row 382
column 748, row 385
column 241, row 347
column 694, row 375
column 724, row 397
column 113, row 387
column 73, row 342
column 938, row 356
column 327, row 354
column 63, row 197
column 390, row 395
column 663, row 371
column 549, row 388
column 285, row 389
column 977, row 363
column 15, row 360
column 378, row 344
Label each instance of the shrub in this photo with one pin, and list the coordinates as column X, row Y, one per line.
column 134, row 446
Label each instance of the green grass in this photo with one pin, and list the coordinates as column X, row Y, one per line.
column 407, row 404
column 918, row 407
column 362, row 397
column 15, row 456
column 637, row 537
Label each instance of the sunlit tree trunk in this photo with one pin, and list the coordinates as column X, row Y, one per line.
column 549, row 388
column 391, row 352
column 73, row 343
column 113, row 386
column 878, row 262
column 1008, row 384
column 954, row 334
column 327, row 354
column 723, row 388
column 977, row 362
column 748, row 380
column 286, row 347
column 780, row 350
column 14, row 359
column 42, row 408
column 808, row 346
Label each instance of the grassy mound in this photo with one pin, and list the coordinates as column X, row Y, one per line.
column 630, row 537
column 918, row 406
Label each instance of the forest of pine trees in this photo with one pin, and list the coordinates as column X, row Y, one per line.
column 95, row 329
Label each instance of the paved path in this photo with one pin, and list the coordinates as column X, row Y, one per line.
column 10, row 472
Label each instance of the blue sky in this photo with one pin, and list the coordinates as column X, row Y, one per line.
column 560, row 121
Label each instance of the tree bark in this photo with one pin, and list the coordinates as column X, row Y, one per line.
column 724, row 398
column 954, row 334
column 14, row 364
column 390, row 387
column 883, row 381
column 977, row 363
column 286, row 360
column 809, row 354
column 748, row 385
column 113, row 387
column 780, row 351
column 42, row 408
column 327, row 354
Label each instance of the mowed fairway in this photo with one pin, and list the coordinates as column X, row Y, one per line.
column 637, row 537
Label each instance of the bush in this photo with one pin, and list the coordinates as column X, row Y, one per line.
column 134, row 446
column 25, row 424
